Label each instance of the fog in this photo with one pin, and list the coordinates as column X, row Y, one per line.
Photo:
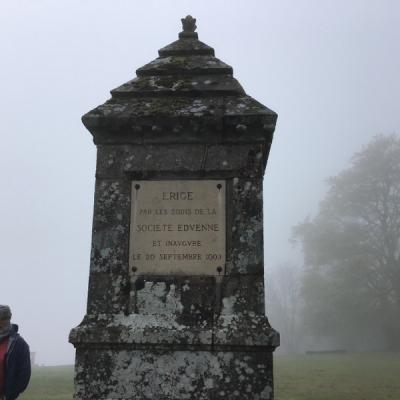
column 330, row 69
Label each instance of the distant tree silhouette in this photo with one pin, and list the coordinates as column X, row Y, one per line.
column 351, row 285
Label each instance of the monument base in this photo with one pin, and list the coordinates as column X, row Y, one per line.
column 172, row 375
column 153, row 357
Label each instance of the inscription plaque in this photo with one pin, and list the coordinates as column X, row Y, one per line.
column 178, row 227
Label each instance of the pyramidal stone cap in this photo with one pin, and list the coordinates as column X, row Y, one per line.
column 186, row 95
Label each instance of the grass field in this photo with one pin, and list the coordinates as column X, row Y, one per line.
column 50, row 383
column 366, row 376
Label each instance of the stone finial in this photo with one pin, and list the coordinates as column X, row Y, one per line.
column 189, row 27
column 189, row 24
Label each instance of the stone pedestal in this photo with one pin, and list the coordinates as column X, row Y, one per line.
column 176, row 289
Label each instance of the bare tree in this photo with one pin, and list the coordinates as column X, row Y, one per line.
column 285, row 304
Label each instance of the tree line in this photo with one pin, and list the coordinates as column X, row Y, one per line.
column 347, row 292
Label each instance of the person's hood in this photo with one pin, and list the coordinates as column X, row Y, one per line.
column 14, row 329
column 11, row 331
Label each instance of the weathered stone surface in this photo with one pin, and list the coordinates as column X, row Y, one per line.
column 139, row 120
column 186, row 85
column 234, row 160
column 186, row 94
column 166, row 336
column 166, row 375
column 185, row 47
column 235, row 290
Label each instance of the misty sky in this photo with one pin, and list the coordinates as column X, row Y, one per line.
column 329, row 68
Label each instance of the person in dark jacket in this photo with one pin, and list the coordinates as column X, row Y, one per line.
column 15, row 362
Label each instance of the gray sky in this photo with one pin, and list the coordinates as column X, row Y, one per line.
column 329, row 68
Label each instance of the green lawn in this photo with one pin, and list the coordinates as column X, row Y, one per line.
column 363, row 376
column 50, row 383
column 366, row 376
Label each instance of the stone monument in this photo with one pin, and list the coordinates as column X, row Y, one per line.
column 176, row 289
